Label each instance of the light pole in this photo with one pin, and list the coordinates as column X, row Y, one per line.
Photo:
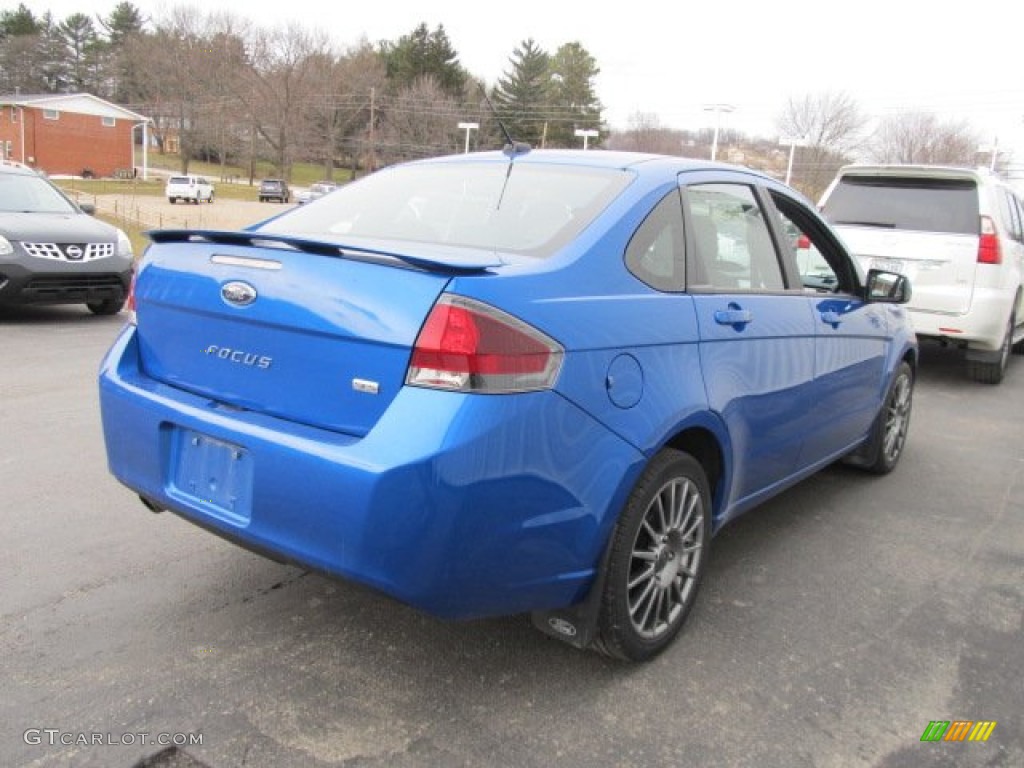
column 792, row 142
column 467, row 127
column 994, row 149
column 718, row 109
column 585, row 134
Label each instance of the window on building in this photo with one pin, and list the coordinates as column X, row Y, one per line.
column 14, row 114
column 51, row 114
column 109, row 122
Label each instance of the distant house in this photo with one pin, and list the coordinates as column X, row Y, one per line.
column 71, row 134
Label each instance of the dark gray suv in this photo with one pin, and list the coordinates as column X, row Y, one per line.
column 53, row 252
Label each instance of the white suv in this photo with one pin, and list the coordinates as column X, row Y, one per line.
column 193, row 189
column 958, row 234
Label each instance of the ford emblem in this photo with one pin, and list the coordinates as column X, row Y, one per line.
column 238, row 294
column 562, row 627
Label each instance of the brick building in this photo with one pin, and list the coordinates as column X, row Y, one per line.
column 71, row 134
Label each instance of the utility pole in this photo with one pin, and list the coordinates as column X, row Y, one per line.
column 372, row 161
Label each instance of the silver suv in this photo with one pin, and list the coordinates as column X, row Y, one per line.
column 958, row 234
column 53, row 252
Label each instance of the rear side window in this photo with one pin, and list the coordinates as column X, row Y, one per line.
column 893, row 202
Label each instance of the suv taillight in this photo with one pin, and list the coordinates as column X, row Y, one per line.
column 989, row 251
column 468, row 346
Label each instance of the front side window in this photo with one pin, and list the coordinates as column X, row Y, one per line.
column 734, row 250
column 823, row 267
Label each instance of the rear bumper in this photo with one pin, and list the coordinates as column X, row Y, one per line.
column 982, row 327
column 460, row 505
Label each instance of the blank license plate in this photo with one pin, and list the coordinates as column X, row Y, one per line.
column 214, row 473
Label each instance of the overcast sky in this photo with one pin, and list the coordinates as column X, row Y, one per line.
column 958, row 60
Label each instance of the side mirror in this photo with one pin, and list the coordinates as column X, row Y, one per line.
column 88, row 208
column 887, row 287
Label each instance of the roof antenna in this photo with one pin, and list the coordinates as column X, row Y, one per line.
column 512, row 147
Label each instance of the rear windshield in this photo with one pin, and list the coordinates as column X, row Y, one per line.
column 523, row 208
column 928, row 205
column 179, row 180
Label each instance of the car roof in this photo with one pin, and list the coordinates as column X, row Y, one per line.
column 919, row 170
column 597, row 158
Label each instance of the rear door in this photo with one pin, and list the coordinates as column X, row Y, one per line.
column 756, row 335
column 926, row 227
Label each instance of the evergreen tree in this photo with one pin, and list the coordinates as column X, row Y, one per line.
column 19, row 22
column 423, row 53
column 82, row 48
column 522, row 96
column 574, row 101
column 123, row 22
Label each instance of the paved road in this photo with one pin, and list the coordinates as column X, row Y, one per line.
column 836, row 622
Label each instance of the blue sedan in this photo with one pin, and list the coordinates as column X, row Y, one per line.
column 508, row 382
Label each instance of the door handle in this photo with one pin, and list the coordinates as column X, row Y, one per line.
column 733, row 316
column 831, row 318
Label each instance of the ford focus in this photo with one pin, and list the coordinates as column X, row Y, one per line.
column 511, row 382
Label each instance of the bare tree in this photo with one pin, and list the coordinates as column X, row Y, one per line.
column 919, row 137
column 340, row 109
column 282, row 82
column 422, row 120
column 833, row 125
column 645, row 133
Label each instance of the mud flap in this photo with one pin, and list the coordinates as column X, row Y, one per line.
column 576, row 624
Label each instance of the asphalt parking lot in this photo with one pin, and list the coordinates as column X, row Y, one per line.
column 836, row 621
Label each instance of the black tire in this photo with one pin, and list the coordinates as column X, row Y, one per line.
column 171, row 200
column 884, row 447
column 993, row 372
column 106, row 307
column 658, row 551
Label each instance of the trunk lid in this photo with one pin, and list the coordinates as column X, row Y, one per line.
column 318, row 339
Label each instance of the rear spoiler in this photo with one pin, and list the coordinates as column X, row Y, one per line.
column 475, row 261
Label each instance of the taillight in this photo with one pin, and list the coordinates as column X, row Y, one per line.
column 803, row 242
column 130, row 304
column 989, row 251
column 468, row 346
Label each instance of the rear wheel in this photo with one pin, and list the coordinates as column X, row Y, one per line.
column 657, row 558
column 992, row 372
